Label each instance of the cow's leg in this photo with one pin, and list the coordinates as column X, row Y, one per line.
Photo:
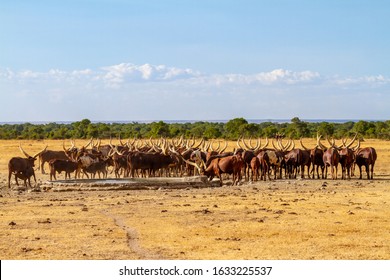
column 326, row 171
column 268, row 170
column 42, row 169
column 9, row 179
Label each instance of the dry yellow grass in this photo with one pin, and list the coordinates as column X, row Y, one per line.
column 282, row 219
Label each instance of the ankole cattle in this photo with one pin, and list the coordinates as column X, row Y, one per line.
column 365, row 157
column 22, row 167
column 48, row 155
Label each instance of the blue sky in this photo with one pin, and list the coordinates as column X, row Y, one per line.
column 148, row 60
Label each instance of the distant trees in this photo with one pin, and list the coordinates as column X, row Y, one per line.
column 231, row 129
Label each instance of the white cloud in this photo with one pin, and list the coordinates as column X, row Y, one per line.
column 130, row 91
column 127, row 73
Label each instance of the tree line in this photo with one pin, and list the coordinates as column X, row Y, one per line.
column 229, row 130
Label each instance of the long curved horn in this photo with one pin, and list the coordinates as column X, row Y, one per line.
column 357, row 146
column 300, row 140
column 200, row 143
column 333, row 143
column 89, row 143
column 73, row 144
column 330, row 143
column 265, row 145
column 245, row 144
column 319, row 144
column 238, row 143
column 211, row 146
column 120, row 140
column 206, row 146
column 219, row 145
column 258, row 144
column 273, row 144
column 119, row 153
column 293, row 145
column 199, row 157
column 193, row 164
column 353, row 140
column 250, row 143
column 23, row 151
column 343, row 140
column 37, row 154
column 281, row 145
column 224, row 148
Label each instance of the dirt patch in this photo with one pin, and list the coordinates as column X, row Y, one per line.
column 283, row 219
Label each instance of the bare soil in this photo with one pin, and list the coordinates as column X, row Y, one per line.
column 280, row 219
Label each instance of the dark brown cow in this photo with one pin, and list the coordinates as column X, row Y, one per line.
column 196, row 156
column 120, row 164
column 248, row 153
column 83, row 157
column 277, row 162
column 255, row 166
column 151, row 162
column 314, row 157
column 59, row 165
column 281, row 150
column 21, row 167
column 99, row 167
column 347, row 158
column 264, row 164
column 366, row 157
column 331, row 158
column 18, row 165
column 48, row 155
column 305, row 161
column 293, row 162
column 25, row 176
column 317, row 162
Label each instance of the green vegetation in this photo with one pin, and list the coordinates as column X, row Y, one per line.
column 230, row 130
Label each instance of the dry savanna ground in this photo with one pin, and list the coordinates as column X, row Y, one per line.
column 280, row 219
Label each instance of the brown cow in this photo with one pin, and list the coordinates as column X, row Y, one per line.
column 59, row 165
column 315, row 159
column 366, row 157
column 231, row 164
column 21, row 167
column 25, row 176
column 264, row 164
column 293, row 162
column 331, row 158
column 255, row 166
column 48, row 155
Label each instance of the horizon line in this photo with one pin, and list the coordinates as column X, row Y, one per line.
column 172, row 121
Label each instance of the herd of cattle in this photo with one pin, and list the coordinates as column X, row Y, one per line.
column 185, row 157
